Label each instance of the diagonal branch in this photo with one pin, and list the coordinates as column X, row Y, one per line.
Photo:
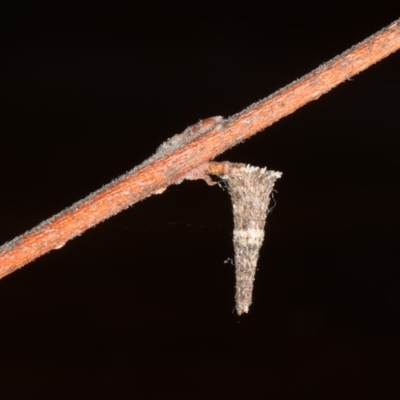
column 182, row 154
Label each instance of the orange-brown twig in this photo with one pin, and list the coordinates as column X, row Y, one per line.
column 183, row 154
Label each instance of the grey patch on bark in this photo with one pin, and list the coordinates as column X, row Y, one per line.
column 192, row 132
column 250, row 189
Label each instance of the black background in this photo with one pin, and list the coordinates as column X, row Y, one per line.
column 141, row 306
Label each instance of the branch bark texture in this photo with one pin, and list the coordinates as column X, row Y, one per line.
column 178, row 157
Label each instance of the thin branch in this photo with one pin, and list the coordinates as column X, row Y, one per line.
column 182, row 155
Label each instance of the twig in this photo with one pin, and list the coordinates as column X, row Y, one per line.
column 184, row 154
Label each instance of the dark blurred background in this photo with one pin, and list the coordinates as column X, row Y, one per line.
column 141, row 306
